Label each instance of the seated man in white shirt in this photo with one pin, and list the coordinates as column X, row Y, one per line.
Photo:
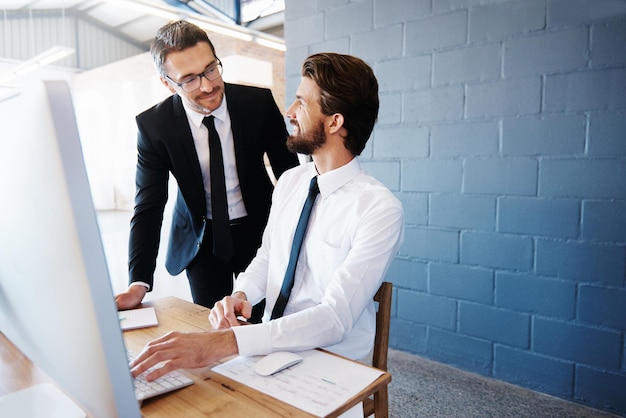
column 354, row 231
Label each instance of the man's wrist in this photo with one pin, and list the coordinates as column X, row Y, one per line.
column 228, row 342
column 240, row 295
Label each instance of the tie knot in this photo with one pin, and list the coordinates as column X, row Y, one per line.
column 208, row 121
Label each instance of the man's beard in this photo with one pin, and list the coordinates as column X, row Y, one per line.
column 308, row 142
column 199, row 107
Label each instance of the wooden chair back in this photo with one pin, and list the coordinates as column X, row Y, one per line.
column 379, row 405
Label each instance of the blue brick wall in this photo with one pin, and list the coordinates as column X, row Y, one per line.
column 502, row 129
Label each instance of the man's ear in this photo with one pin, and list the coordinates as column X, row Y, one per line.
column 167, row 84
column 336, row 123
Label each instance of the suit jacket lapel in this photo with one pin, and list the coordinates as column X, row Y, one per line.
column 238, row 127
column 186, row 140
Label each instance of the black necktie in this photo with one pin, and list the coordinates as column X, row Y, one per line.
column 222, row 240
column 298, row 237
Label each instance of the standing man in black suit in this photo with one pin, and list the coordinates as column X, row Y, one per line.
column 174, row 138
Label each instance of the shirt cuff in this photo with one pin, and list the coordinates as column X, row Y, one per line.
column 144, row 284
column 253, row 340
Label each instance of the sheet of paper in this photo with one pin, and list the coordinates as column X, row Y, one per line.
column 318, row 385
column 138, row 318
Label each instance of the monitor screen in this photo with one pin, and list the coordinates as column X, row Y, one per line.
column 56, row 301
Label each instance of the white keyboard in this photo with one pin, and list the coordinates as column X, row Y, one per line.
column 171, row 381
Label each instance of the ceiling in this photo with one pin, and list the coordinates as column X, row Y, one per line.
column 138, row 20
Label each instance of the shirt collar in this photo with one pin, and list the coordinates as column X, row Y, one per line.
column 196, row 118
column 333, row 180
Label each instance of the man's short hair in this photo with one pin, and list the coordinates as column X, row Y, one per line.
column 348, row 86
column 176, row 36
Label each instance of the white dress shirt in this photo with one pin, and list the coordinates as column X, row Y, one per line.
column 354, row 232
column 200, row 133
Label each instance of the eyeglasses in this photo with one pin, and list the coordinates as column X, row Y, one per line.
column 193, row 82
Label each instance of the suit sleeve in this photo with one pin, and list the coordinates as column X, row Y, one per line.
column 151, row 195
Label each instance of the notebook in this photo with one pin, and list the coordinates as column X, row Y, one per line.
column 138, row 318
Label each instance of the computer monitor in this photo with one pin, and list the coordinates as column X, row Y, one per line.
column 56, row 301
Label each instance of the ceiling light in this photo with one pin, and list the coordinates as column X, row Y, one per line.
column 222, row 29
column 271, row 44
column 41, row 60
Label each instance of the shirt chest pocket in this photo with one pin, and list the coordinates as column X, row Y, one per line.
column 326, row 256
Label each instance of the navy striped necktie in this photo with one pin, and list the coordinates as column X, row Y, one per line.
column 298, row 237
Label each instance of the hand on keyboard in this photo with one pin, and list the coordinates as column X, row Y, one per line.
column 171, row 381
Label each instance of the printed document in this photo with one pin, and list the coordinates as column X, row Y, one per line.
column 319, row 384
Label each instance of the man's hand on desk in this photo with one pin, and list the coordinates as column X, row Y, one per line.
column 130, row 298
column 225, row 312
column 178, row 350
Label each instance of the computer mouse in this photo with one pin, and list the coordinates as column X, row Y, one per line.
column 275, row 362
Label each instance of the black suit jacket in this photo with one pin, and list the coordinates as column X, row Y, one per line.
column 165, row 145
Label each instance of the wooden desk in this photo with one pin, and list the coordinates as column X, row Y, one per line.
column 212, row 394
